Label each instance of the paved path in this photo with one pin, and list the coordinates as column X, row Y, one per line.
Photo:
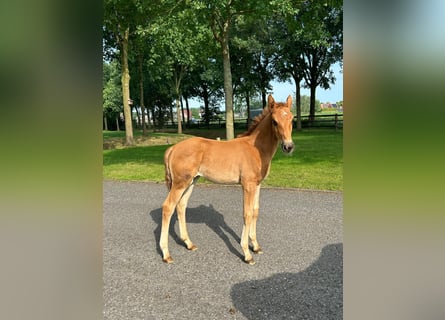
column 299, row 276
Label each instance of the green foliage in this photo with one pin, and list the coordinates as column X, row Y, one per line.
column 305, row 104
column 178, row 38
column 119, row 15
column 267, row 40
column 309, row 43
column 252, row 54
column 112, row 90
column 321, row 30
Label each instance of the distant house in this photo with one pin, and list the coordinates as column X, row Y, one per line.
column 330, row 106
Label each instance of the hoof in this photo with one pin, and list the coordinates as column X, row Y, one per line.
column 250, row 261
column 193, row 248
column 168, row 260
column 258, row 251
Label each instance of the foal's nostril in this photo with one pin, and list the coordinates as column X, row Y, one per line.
column 287, row 147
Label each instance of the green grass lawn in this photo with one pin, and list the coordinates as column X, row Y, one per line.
column 317, row 162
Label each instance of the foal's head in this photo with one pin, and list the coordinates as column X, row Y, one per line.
column 282, row 122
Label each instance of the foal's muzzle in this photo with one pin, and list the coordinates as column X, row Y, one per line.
column 287, row 147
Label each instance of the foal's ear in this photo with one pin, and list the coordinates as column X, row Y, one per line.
column 289, row 102
column 270, row 102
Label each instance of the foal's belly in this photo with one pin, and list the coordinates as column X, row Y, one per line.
column 220, row 175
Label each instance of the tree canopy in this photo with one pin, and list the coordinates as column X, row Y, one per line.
column 210, row 49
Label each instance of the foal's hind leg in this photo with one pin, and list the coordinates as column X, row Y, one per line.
column 168, row 209
column 180, row 210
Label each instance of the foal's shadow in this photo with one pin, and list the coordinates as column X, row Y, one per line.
column 204, row 215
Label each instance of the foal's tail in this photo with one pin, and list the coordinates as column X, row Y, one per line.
column 168, row 176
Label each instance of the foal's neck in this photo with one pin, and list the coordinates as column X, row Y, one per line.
column 264, row 139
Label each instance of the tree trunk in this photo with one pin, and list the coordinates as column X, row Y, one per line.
column 149, row 117
column 153, row 116
column 188, row 110
column 117, row 123
column 141, row 94
column 138, row 117
column 182, row 110
column 312, row 105
column 228, row 92
column 298, row 102
column 106, row 123
column 171, row 113
column 177, row 74
column 178, row 114
column 125, row 79
column 248, row 107
column 263, row 97
column 205, row 94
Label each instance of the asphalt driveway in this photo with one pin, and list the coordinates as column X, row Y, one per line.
column 299, row 276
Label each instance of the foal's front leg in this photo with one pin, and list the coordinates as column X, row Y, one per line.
column 252, row 235
column 249, row 191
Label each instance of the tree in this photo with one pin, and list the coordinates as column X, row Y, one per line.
column 111, row 93
column 181, row 49
column 223, row 15
column 138, row 70
column 120, row 19
column 221, row 21
column 309, row 42
column 288, row 59
column 205, row 81
column 178, row 40
column 141, row 68
column 252, row 48
column 323, row 37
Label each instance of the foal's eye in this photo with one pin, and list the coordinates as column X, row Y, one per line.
column 274, row 123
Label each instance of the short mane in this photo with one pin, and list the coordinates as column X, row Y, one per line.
column 255, row 122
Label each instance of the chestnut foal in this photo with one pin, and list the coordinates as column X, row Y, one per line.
column 244, row 160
